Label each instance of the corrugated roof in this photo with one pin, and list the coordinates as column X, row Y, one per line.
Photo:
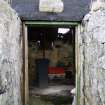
column 74, row 10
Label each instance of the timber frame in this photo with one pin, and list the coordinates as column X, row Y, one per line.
column 25, row 54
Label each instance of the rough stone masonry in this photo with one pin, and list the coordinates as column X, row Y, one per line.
column 93, row 56
column 10, row 56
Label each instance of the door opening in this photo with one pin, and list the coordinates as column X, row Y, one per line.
column 51, row 64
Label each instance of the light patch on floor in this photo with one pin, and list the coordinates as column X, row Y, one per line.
column 53, row 95
column 51, row 90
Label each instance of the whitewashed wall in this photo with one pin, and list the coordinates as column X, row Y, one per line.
column 10, row 56
column 93, row 56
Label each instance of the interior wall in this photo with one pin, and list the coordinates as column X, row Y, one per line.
column 56, row 56
column 63, row 56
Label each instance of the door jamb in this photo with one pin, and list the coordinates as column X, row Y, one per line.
column 25, row 54
column 25, row 65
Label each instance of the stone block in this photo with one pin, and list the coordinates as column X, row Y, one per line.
column 51, row 6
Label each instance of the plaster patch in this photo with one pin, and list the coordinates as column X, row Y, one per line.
column 51, row 6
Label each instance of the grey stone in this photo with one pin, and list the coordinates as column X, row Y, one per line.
column 93, row 58
column 74, row 10
column 56, row 6
column 10, row 56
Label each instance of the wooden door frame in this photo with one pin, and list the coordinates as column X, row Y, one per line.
column 25, row 54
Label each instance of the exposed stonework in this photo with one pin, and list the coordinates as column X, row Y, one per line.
column 10, row 56
column 51, row 6
column 97, row 4
column 93, row 58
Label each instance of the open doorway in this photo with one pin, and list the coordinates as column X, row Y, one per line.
column 51, row 65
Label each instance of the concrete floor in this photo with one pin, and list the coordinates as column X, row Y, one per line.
column 53, row 95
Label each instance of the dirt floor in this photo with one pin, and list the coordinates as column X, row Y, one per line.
column 53, row 95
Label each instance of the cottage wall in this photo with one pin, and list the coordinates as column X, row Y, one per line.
column 93, row 56
column 10, row 56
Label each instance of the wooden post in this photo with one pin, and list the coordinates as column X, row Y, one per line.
column 78, row 63
column 25, row 73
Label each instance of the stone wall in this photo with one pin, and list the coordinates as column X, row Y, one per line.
column 10, row 56
column 58, row 57
column 8, row 1
column 93, row 57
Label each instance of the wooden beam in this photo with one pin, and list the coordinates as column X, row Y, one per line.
column 66, row 24
column 78, row 63
column 26, row 86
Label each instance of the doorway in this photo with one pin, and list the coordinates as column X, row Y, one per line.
column 51, row 64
